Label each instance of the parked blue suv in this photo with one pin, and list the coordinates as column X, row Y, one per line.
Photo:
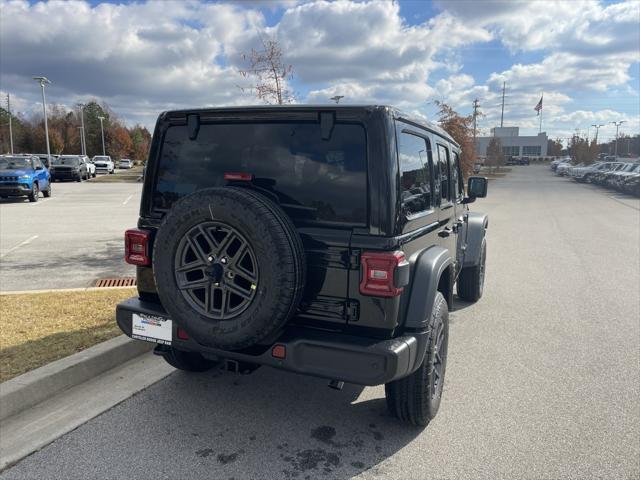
column 23, row 176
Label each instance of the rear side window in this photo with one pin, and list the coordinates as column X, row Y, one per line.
column 314, row 179
column 415, row 181
column 443, row 170
column 456, row 177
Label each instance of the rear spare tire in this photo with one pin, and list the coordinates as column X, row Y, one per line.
column 229, row 267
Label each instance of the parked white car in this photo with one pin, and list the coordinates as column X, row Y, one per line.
column 104, row 164
column 91, row 168
column 125, row 163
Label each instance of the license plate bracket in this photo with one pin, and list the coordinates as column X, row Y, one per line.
column 151, row 328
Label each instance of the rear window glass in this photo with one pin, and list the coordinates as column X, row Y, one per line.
column 314, row 179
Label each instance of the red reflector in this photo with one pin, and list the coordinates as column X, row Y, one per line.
column 377, row 273
column 279, row 351
column 182, row 335
column 238, row 176
column 136, row 247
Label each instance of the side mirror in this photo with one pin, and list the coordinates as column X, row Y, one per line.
column 476, row 188
column 39, row 167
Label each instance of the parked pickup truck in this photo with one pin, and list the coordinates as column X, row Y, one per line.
column 104, row 164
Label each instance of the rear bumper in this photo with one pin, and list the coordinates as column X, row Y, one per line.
column 364, row 361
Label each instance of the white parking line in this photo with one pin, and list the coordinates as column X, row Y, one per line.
column 128, row 198
column 26, row 242
column 43, row 200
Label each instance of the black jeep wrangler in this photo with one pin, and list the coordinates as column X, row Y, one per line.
column 324, row 240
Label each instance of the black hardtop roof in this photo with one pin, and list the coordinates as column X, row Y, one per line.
column 395, row 112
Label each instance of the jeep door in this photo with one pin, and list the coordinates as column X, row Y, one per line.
column 457, row 184
column 418, row 216
column 446, row 196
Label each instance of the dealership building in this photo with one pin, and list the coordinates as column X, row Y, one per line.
column 513, row 144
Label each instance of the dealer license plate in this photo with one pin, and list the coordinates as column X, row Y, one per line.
column 151, row 328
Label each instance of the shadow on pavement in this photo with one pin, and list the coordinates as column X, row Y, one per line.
column 14, row 200
column 277, row 425
column 218, row 425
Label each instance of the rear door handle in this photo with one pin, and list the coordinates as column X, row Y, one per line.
column 444, row 233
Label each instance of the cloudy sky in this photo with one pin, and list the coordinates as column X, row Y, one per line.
column 145, row 57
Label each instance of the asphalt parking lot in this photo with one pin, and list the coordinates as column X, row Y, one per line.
column 543, row 378
column 68, row 240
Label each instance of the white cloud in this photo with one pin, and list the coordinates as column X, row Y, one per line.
column 143, row 58
column 114, row 53
column 578, row 26
column 589, row 50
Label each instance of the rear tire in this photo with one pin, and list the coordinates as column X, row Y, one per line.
column 47, row 192
column 416, row 399
column 35, row 193
column 471, row 280
column 188, row 361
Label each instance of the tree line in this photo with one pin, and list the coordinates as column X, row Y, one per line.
column 65, row 136
column 587, row 151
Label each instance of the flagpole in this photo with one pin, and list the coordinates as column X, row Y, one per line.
column 541, row 108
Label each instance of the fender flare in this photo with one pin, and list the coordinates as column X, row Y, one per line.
column 476, row 226
column 427, row 267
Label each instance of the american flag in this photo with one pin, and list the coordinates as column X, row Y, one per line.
column 538, row 107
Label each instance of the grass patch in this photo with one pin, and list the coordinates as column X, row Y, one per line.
column 117, row 178
column 38, row 328
column 130, row 175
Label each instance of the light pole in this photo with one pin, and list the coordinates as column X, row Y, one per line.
column 10, row 127
column 43, row 81
column 83, row 141
column 102, row 130
column 597, row 127
column 617, row 124
column 337, row 98
column 82, row 150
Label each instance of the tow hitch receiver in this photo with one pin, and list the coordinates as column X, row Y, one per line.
column 242, row 368
column 336, row 384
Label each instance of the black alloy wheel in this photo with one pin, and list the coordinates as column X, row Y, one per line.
column 439, row 361
column 216, row 270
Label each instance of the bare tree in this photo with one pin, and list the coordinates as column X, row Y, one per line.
column 269, row 72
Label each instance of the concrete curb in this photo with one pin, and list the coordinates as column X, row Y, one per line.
column 56, row 290
column 31, row 388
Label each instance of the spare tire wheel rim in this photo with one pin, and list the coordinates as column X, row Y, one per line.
column 216, row 270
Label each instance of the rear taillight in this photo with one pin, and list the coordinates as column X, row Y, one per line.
column 384, row 274
column 136, row 247
column 182, row 335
